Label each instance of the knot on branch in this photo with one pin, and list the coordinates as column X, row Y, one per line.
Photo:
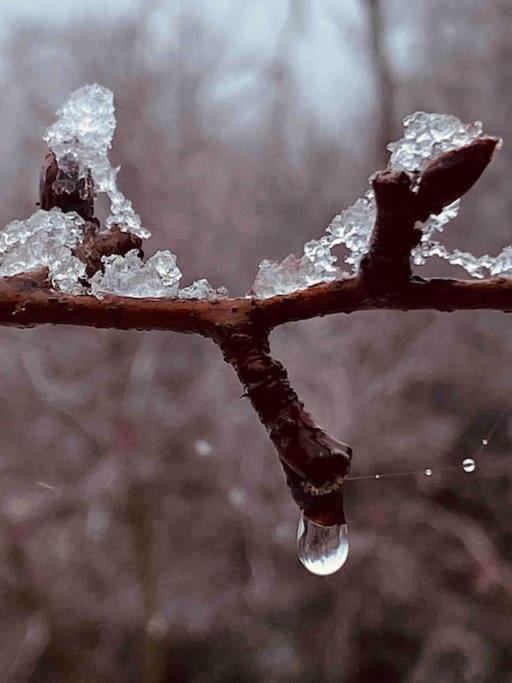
column 62, row 186
column 94, row 246
column 315, row 463
column 387, row 263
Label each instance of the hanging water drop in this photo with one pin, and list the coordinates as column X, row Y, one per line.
column 468, row 465
column 428, row 472
column 377, row 476
column 485, row 442
column 322, row 549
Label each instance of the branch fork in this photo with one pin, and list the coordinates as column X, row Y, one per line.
column 315, row 463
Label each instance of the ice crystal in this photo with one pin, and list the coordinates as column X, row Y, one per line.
column 83, row 134
column 287, row 276
column 81, row 139
column 425, row 137
column 129, row 276
column 44, row 240
column 202, row 289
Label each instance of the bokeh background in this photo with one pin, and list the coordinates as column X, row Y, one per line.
column 146, row 532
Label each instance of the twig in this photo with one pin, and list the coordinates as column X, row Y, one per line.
column 400, row 209
column 315, row 463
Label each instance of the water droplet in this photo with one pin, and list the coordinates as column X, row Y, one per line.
column 468, row 465
column 485, row 442
column 377, row 476
column 203, row 448
column 428, row 472
column 322, row 549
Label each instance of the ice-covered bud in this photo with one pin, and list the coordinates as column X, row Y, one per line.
column 83, row 135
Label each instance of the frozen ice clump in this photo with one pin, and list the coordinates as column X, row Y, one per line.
column 85, row 127
column 45, row 240
column 502, row 264
column 81, row 138
column 202, row 289
column 129, row 276
column 287, row 276
column 428, row 135
column 425, row 137
column 353, row 228
column 83, row 134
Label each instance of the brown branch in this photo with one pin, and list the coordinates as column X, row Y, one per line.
column 400, row 208
column 94, row 246
column 315, row 463
column 62, row 187
column 26, row 300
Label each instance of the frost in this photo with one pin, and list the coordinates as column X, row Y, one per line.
column 129, row 276
column 44, row 240
column 158, row 277
column 81, row 139
column 289, row 275
column 202, row 289
column 425, row 137
column 83, row 134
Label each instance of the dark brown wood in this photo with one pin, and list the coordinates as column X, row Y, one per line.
column 403, row 202
column 451, row 175
column 62, row 187
column 25, row 303
column 94, row 246
column 315, row 463
column 387, row 263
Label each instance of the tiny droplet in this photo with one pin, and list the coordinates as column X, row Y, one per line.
column 468, row 465
column 377, row 476
column 322, row 549
column 485, row 442
column 428, row 472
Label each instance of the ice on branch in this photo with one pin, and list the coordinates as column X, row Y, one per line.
column 80, row 140
column 127, row 275
column 45, row 240
column 202, row 289
column 425, row 137
column 83, row 135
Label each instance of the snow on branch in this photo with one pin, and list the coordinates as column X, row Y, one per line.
column 61, row 266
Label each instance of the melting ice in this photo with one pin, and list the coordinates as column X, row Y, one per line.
column 45, row 240
column 425, row 137
column 83, row 132
column 83, row 135
column 322, row 549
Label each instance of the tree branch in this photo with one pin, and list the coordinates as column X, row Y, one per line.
column 315, row 463
column 403, row 204
column 26, row 300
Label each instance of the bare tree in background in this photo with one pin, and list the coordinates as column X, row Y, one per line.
column 110, row 419
column 386, row 124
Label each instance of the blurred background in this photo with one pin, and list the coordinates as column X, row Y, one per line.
column 146, row 532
